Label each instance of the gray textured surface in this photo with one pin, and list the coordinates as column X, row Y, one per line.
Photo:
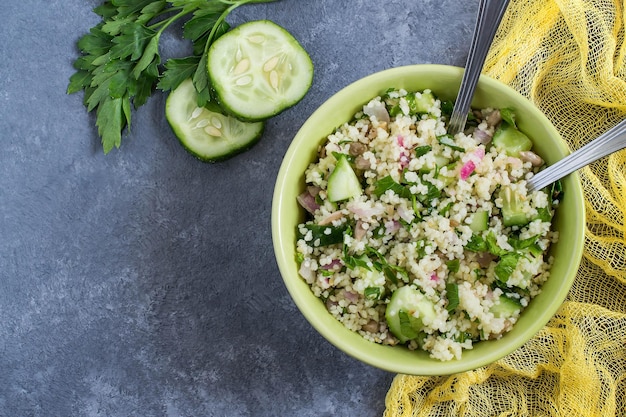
column 143, row 283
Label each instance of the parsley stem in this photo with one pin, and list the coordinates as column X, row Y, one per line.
column 163, row 24
column 218, row 23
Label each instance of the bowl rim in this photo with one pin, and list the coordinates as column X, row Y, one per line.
column 347, row 343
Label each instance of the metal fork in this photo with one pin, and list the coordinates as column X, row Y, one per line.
column 490, row 14
column 611, row 141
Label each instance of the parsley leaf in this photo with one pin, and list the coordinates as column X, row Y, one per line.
column 422, row 150
column 119, row 65
column 110, row 121
column 408, row 325
column 326, row 235
column 506, row 265
column 508, row 115
column 476, row 244
column 78, row 81
column 388, row 183
column 373, row 293
column 452, row 292
column 176, row 71
column 492, row 245
column 453, row 266
column 448, row 140
column 198, row 28
column 432, row 193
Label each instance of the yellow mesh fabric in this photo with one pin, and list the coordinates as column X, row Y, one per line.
column 569, row 58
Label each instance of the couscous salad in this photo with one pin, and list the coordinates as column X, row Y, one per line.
column 418, row 237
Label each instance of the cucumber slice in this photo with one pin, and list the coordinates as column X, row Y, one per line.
column 343, row 182
column 512, row 208
column 506, row 307
column 207, row 134
column 405, row 311
column 508, row 139
column 258, row 69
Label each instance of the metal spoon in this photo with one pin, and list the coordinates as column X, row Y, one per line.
column 611, row 141
column 490, row 14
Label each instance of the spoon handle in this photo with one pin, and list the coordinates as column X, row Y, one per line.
column 490, row 14
column 611, row 141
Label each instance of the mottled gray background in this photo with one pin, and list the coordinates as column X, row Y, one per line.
column 143, row 283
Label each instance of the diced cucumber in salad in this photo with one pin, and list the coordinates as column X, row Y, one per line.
column 343, row 182
column 256, row 71
column 406, row 312
column 455, row 245
column 479, row 221
column 506, row 307
column 507, row 138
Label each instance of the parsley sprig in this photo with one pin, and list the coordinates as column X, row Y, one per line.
column 120, row 64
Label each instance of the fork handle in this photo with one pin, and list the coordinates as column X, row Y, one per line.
column 490, row 14
column 609, row 142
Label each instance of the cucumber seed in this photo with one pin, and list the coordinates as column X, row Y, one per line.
column 245, row 80
column 215, row 121
column 202, row 123
column 258, row 39
column 274, row 79
column 242, row 66
column 213, row 131
column 270, row 64
column 196, row 112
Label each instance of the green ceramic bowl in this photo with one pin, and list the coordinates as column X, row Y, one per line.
column 444, row 82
